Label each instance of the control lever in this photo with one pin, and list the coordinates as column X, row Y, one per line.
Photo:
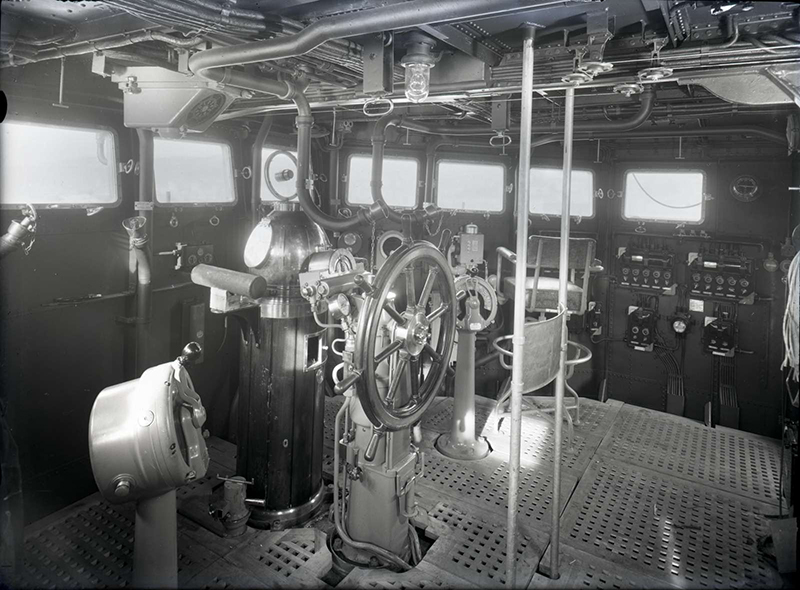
column 190, row 354
column 372, row 446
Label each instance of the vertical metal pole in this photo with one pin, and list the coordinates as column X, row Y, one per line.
column 561, row 380
column 155, row 543
column 523, row 200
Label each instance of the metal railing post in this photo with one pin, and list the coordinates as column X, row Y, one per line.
column 523, row 199
column 561, row 380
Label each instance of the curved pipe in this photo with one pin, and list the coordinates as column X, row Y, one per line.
column 391, row 17
column 378, row 149
column 258, row 145
column 304, row 121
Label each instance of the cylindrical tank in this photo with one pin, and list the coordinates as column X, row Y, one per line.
column 281, row 392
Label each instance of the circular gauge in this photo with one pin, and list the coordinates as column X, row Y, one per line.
column 679, row 325
column 477, row 310
column 280, row 170
column 745, row 188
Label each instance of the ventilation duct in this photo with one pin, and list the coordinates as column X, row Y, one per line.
column 171, row 102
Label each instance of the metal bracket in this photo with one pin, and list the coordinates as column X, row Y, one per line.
column 378, row 60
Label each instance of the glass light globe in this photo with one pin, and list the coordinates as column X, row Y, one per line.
column 418, row 80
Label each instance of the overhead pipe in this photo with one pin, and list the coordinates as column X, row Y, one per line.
column 30, row 54
column 654, row 133
column 561, row 378
column 518, row 338
column 375, row 20
column 648, row 99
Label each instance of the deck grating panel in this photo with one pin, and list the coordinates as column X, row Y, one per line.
column 683, row 533
column 472, row 545
column 579, row 569
column 729, row 460
column 484, row 484
column 91, row 545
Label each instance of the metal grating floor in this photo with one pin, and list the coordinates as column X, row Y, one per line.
column 649, row 501
column 675, row 530
column 584, row 570
column 729, row 460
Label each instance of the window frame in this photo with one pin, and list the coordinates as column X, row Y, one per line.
column 234, row 174
column 554, row 166
column 345, row 200
column 89, row 127
column 470, row 158
column 638, row 220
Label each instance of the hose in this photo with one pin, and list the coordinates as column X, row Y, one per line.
column 380, row 552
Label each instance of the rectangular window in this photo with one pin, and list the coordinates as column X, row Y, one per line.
column 284, row 174
column 58, row 166
column 399, row 181
column 546, row 192
column 470, row 186
column 192, row 172
column 664, row 195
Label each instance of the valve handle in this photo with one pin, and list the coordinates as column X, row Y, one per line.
column 346, row 383
column 372, row 446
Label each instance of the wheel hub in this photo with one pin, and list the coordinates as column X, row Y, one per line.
column 415, row 334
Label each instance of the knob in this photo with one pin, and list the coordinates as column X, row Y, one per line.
column 190, row 353
column 123, row 488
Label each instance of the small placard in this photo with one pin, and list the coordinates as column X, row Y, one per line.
column 143, row 206
column 696, row 305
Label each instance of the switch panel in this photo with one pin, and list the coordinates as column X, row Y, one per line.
column 721, row 277
column 640, row 333
column 646, row 269
column 719, row 336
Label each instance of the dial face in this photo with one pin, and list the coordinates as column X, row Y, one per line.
column 257, row 248
column 745, row 188
column 479, row 306
column 679, row 326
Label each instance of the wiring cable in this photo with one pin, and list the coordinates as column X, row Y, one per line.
column 791, row 327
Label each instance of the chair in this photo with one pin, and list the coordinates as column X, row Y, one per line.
column 541, row 368
column 541, row 291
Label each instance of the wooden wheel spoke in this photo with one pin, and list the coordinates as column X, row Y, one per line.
column 388, row 351
column 399, row 373
column 427, row 288
column 394, row 314
column 438, row 312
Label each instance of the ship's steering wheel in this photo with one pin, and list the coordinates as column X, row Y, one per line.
column 410, row 275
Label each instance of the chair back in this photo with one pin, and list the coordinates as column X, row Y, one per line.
column 542, row 353
column 581, row 252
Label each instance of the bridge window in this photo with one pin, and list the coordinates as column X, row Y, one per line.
column 400, row 177
column 285, row 184
column 57, row 166
column 193, row 172
column 470, row 186
column 664, row 195
column 547, row 189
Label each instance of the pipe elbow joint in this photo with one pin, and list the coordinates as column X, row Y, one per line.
column 377, row 211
